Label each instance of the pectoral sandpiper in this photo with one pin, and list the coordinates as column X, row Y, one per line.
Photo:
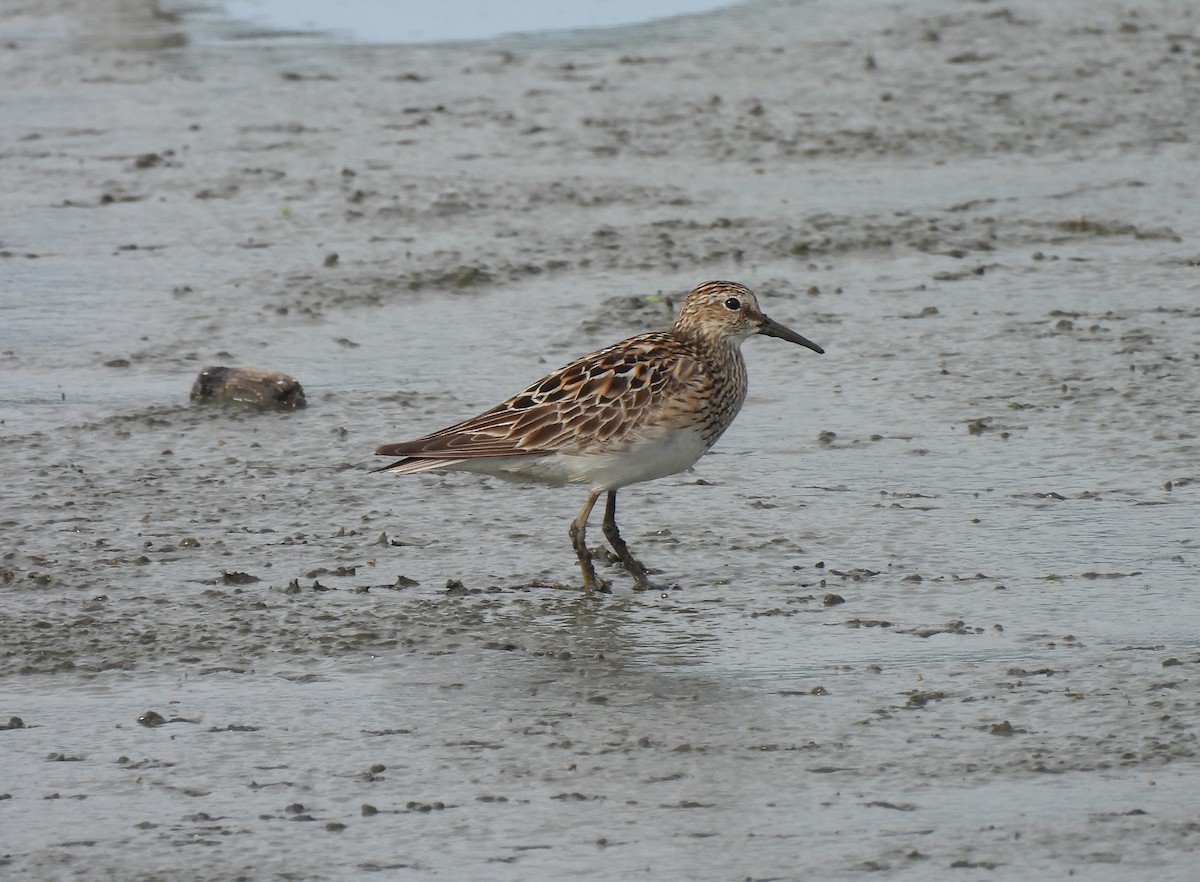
column 641, row 409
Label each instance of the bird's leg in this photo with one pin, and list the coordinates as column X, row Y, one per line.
column 632, row 564
column 578, row 539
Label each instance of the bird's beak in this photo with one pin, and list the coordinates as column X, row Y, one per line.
column 772, row 328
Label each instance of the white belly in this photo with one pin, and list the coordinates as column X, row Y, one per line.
column 646, row 460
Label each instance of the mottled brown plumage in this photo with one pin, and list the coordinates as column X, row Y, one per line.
column 641, row 409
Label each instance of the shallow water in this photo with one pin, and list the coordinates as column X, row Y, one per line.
column 927, row 609
column 374, row 21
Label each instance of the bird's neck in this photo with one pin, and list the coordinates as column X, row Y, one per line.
column 722, row 355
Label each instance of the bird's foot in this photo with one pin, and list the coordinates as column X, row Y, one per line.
column 593, row 584
column 638, row 572
column 644, row 584
column 597, row 586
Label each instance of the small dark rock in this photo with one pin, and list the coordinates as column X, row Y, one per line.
column 256, row 386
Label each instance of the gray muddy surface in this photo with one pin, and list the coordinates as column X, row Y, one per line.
column 929, row 610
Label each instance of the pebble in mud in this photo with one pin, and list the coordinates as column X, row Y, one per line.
column 425, row 807
column 248, row 385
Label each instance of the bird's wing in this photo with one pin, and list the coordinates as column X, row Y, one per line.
column 603, row 401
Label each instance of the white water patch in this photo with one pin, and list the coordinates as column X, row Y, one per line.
column 412, row 21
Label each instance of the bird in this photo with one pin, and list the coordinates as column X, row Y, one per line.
column 644, row 408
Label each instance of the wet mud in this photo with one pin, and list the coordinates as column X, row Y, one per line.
column 927, row 611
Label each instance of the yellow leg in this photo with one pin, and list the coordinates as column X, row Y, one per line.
column 578, row 539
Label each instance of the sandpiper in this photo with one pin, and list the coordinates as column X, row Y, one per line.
column 644, row 408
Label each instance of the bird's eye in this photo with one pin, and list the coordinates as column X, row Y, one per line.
column 733, row 303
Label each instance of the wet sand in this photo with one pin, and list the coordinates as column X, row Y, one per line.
column 928, row 609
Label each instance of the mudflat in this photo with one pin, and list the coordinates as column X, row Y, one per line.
column 928, row 611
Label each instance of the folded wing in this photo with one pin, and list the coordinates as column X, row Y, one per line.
column 602, row 402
